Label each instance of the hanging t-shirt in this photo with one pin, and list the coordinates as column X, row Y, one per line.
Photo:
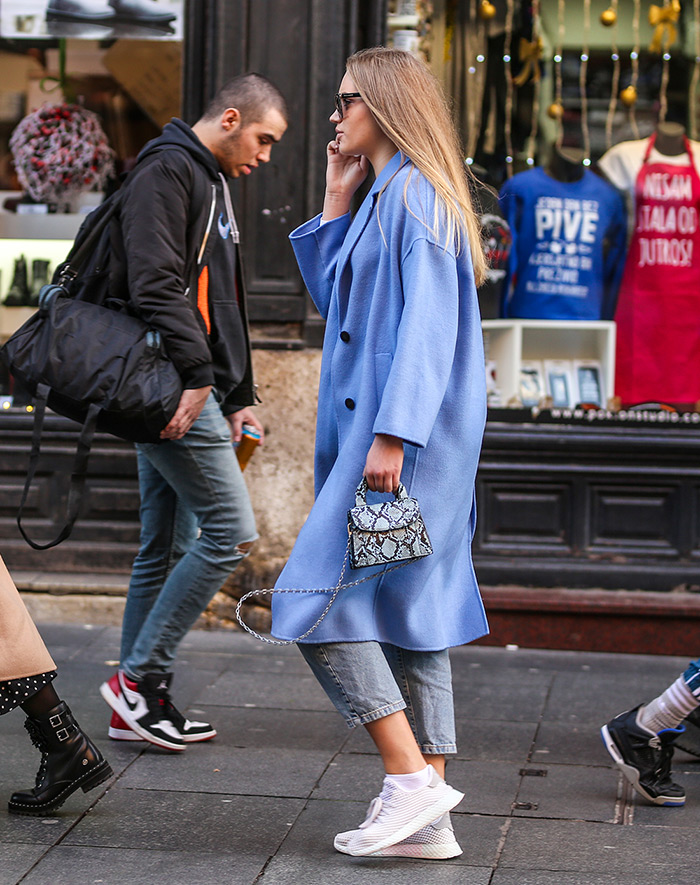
column 658, row 315
column 621, row 164
column 496, row 238
column 568, row 246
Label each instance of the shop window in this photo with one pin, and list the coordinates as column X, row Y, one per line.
column 127, row 72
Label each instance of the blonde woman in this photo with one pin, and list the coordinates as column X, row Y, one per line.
column 402, row 397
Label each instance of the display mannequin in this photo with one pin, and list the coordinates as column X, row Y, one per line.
column 658, row 313
column 566, row 164
column 670, row 139
column 621, row 163
column 568, row 229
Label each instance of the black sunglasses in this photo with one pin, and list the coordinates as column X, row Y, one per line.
column 341, row 101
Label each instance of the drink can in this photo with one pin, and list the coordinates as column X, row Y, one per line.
column 247, row 445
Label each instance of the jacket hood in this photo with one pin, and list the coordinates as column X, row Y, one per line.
column 178, row 133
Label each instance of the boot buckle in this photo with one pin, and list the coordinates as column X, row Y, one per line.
column 55, row 721
column 63, row 734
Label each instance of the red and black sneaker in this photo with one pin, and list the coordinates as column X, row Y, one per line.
column 190, row 730
column 120, row 731
column 143, row 706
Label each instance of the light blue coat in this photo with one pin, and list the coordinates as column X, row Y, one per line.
column 402, row 355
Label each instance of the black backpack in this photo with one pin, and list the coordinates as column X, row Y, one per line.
column 87, row 355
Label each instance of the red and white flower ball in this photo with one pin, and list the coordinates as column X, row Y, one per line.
column 60, row 151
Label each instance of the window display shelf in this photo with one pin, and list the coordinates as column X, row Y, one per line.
column 40, row 227
column 398, row 22
column 510, row 343
column 37, row 238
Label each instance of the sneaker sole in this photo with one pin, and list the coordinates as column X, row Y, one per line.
column 632, row 775
column 127, row 734
column 194, row 739
column 87, row 19
column 447, row 803
column 415, row 849
column 116, row 704
column 123, row 734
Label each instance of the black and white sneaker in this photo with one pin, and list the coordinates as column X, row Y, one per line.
column 143, row 706
column 189, row 730
column 644, row 757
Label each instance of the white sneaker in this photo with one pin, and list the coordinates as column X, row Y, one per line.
column 434, row 842
column 396, row 814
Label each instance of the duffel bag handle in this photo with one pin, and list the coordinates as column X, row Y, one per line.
column 77, row 481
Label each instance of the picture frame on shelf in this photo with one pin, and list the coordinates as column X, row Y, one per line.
column 589, row 382
column 559, row 376
column 531, row 388
column 493, row 391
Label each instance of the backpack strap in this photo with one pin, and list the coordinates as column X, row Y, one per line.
column 82, row 248
column 77, row 481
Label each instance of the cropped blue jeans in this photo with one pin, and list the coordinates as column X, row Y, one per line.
column 195, row 514
column 369, row 680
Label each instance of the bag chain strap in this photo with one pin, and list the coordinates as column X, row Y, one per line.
column 334, row 590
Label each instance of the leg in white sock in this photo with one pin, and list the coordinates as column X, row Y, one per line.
column 669, row 709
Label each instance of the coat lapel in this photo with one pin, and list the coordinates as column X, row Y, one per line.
column 364, row 213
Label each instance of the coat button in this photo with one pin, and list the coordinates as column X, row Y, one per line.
column 350, row 403
column 345, row 336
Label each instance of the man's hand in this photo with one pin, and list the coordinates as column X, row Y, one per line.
column 188, row 410
column 244, row 416
column 384, row 463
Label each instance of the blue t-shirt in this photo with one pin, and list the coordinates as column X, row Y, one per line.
column 568, row 248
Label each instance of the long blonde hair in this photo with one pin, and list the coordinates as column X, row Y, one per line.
column 409, row 106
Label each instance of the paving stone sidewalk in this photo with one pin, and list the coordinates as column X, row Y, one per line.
column 261, row 803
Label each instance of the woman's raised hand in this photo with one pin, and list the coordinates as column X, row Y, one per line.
column 344, row 174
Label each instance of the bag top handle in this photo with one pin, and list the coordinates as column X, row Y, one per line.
column 361, row 493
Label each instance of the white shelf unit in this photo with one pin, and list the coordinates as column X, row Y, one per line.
column 35, row 236
column 509, row 342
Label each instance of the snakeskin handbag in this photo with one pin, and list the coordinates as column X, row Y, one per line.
column 390, row 531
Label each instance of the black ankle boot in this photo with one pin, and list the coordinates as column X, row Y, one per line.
column 69, row 761
column 18, row 293
column 40, row 278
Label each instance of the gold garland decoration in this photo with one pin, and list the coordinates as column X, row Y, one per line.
column 583, row 75
column 628, row 96
column 507, row 61
column 615, row 56
column 477, row 21
column 533, row 54
column 556, row 109
column 664, row 19
column 530, row 52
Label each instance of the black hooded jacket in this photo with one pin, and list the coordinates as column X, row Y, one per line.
column 183, row 266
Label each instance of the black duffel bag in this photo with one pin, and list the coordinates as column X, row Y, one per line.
column 96, row 363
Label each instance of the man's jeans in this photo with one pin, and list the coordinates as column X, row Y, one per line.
column 195, row 512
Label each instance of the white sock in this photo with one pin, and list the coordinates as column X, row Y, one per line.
column 669, row 709
column 411, row 782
